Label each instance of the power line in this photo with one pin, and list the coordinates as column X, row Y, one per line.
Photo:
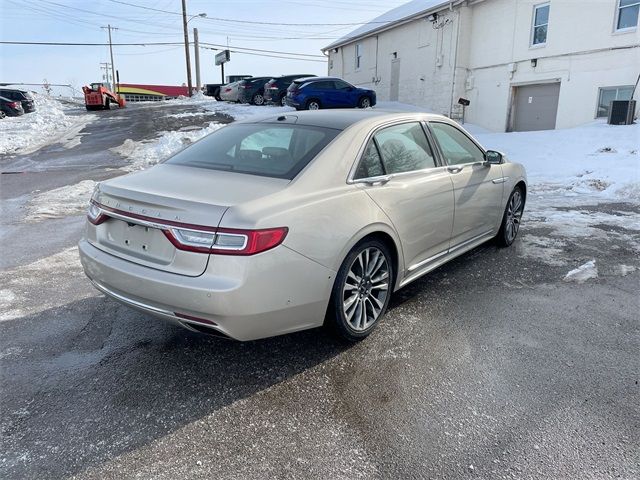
column 267, row 51
column 234, row 50
column 144, row 44
column 352, row 24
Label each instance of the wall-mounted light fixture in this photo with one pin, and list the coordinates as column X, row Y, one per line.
column 432, row 18
column 534, row 62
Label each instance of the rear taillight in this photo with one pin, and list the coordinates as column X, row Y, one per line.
column 197, row 238
column 226, row 241
column 13, row 104
column 190, row 240
column 247, row 242
column 95, row 215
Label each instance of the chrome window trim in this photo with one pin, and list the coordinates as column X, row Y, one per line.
column 370, row 135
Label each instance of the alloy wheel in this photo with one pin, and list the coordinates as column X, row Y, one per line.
column 258, row 99
column 365, row 103
column 514, row 215
column 365, row 289
column 313, row 105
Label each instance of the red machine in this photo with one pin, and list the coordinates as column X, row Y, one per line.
column 97, row 96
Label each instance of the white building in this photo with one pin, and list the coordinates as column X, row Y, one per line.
column 523, row 64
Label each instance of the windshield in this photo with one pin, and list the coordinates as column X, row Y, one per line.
column 279, row 151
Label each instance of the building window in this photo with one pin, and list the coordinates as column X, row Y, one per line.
column 540, row 24
column 627, row 14
column 358, row 56
column 607, row 94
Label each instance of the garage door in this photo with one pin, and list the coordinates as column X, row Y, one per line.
column 536, row 107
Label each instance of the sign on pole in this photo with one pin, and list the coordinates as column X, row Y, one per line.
column 223, row 57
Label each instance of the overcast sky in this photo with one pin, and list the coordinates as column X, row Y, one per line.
column 80, row 21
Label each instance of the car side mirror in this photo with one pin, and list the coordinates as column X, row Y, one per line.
column 492, row 157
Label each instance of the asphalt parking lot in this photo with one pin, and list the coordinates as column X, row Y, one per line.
column 492, row 366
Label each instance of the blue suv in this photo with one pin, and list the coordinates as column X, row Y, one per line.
column 315, row 93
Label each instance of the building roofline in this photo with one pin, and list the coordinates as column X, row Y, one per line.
column 391, row 24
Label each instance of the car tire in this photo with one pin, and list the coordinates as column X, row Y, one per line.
column 283, row 101
column 361, row 291
column 258, row 99
column 2, row 114
column 511, row 218
column 364, row 102
column 313, row 104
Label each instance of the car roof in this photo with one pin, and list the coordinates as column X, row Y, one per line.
column 341, row 119
column 309, row 79
column 5, row 89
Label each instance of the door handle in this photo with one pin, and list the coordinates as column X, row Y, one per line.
column 454, row 169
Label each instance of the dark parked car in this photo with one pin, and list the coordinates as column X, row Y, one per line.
column 251, row 90
column 22, row 96
column 212, row 90
column 327, row 92
column 11, row 108
column 275, row 90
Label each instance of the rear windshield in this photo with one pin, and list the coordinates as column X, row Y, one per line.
column 279, row 151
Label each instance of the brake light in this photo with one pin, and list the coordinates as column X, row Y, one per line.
column 95, row 215
column 247, row 242
column 200, row 238
column 13, row 104
column 226, row 241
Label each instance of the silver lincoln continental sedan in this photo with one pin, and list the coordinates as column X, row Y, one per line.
column 283, row 223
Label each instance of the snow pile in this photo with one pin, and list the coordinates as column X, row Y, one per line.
column 145, row 153
column 583, row 273
column 596, row 159
column 239, row 111
column 60, row 202
column 31, row 131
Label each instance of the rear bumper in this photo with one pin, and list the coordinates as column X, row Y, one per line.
column 272, row 96
column 245, row 298
column 292, row 102
column 245, row 96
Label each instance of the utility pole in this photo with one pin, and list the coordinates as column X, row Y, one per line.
column 196, row 47
column 113, row 70
column 105, row 66
column 186, row 44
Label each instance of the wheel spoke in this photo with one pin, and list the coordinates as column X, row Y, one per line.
column 380, row 261
column 374, row 312
column 380, row 277
column 353, row 306
column 353, row 277
column 362, row 320
column 380, row 286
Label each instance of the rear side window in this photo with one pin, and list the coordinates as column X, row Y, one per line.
column 279, row 151
column 326, row 85
column 404, row 148
column 456, row 147
column 371, row 163
column 396, row 149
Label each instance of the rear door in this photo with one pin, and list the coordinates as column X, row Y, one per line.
column 399, row 171
column 477, row 185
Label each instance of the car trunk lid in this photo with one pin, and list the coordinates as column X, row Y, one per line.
column 143, row 211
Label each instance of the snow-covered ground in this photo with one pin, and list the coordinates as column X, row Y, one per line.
column 145, row 153
column 51, row 122
column 598, row 160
